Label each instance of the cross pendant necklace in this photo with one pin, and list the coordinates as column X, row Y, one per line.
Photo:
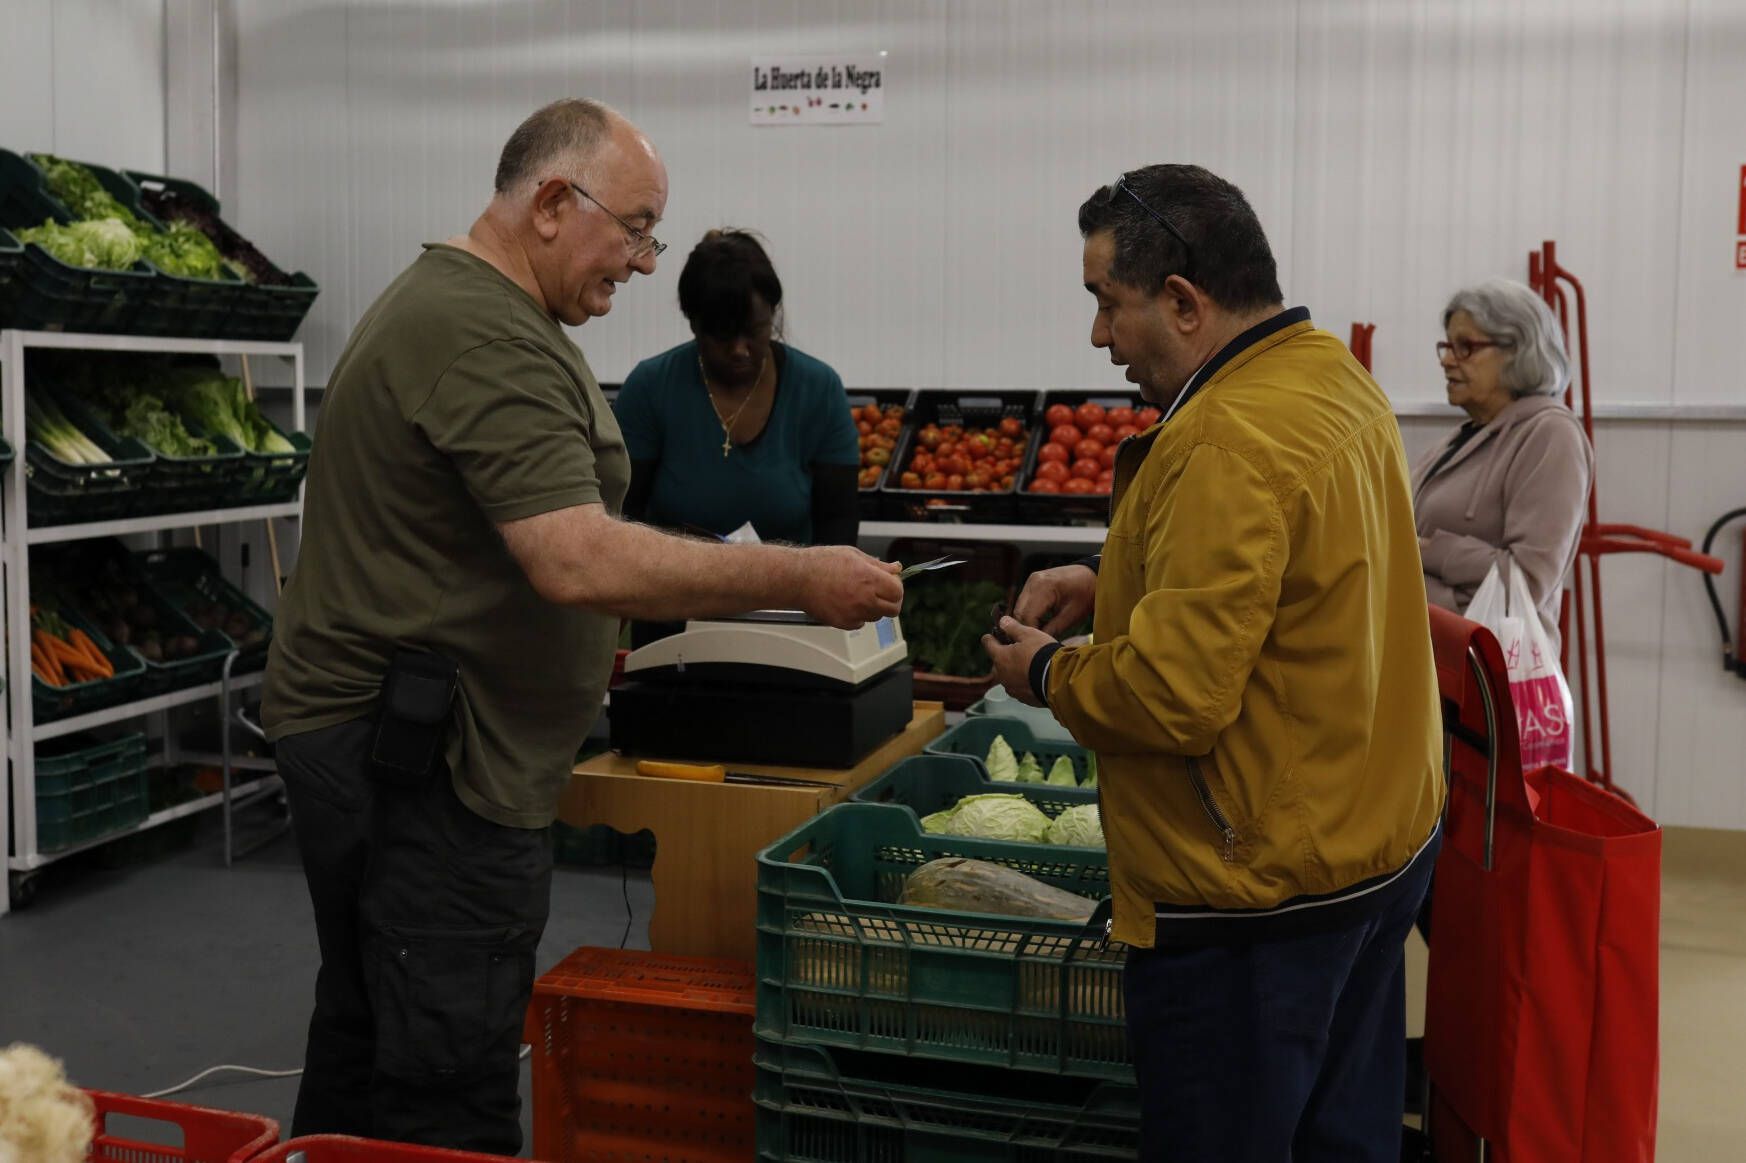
column 727, row 422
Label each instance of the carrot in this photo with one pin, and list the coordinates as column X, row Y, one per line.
column 63, row 652
column 44, row 665
column 82, row 641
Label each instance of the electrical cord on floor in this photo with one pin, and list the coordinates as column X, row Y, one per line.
column 190, row 1083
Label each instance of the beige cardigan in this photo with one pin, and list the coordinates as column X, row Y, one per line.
column 1517, row 490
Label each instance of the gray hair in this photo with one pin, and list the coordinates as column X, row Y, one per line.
column 570, row 129
column 1517, row 318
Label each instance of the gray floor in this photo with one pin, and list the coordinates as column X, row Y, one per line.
column 139, row 977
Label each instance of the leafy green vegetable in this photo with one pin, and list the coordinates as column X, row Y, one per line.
column 991, row 817
column 1061, row 773
column 147, row 419
column 221, row 405
column 102, row 244
column 180, row 250
column 944, row 621
column 48, row 425
column 1001, row 764
column 183, row 250
column 1079, row 826
column 83, row 194
column 1029, row 770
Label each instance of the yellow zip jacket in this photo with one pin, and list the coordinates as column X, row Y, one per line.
column 1261, row 694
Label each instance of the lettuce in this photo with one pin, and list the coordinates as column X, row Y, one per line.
column 991, row 817
column 101, row 244
column 1001, row 764
column 1061, row 773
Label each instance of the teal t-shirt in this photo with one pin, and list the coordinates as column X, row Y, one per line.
column 667, row 419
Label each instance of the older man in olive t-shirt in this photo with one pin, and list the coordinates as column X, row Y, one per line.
column 463, row 507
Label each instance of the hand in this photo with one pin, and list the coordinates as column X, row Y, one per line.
column 844, row 587
column 1064, row 595
column 1012, row 664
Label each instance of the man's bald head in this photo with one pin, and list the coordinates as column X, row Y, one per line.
column 565, row 134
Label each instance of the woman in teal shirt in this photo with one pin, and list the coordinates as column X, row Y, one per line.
column 736, row 426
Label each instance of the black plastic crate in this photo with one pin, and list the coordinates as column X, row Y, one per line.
column 192, row 582
column 980, row 409
column 985, row 561
column 46, row 294
column 1068, row 508
column 270, row 310
column 49, row 702
column 872, row 502
column 61, row 493
column 176, row 484
column 269, row 478
column 11, row 269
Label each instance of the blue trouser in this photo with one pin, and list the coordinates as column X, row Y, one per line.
column 1276, row 1051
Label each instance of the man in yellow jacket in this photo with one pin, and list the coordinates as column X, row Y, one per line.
column 1259, row 692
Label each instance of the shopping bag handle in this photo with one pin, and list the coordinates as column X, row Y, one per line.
column 1482, row 684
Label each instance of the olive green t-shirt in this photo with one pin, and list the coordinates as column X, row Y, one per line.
column 458, row 404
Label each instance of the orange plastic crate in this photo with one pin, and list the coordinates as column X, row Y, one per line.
column 208, row 1136
column 643, row 1056
column 345, row 1149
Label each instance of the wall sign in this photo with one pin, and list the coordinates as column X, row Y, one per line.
column 818, row 90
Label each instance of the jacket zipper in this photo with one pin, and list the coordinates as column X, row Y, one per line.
column 1213, row 811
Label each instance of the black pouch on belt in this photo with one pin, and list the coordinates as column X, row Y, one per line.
column 414, row 715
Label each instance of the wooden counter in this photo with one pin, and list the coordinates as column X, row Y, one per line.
column 708, row 835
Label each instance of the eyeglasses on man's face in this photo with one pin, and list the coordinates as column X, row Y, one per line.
column 642, row 243
column 1121, row 187
column 1461, row 350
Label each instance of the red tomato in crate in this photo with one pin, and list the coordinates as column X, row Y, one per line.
column 1102, row 433
column 975, row 480
column 979, row 445
column 1087, row 449
column 945, row 448
column 1006, row 484
column 1107, row 459
column 1052, row 470
column 1058, row 414
column 1119, row 416
column 911, row 480
column 1088, row 414
column 1146, row 417
column 1087, row 469
column 1103, row 487
column 935, row 481
column 1066, row 435
column 955, row 483
column 1044, row 485
column 864, row 427
column 930, row 436
column 1123, row 431
column 1053, row 451
column 921, row 462
column 1012, row 426
column 1078, row 485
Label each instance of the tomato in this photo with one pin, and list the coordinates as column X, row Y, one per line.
column 1044, row 485
column 978, row 445
column 911, row 480
column 935, row 481
column 1052, row 470
column 889, row 427
column 894, row 411
column 1088, row 414
column 1058, row 414
column 1006, row 484
column 1123, row 431
column 1087, row 449
column 1107, row 459
column 1004, row 447
column 1102, row 433
column 922, row 463
column 1012, row 426
column 1053, row 451
column 864, row 428
column 878, row 456
column 1087, row 469
column 1078, row 485
column 1146, row 417
column 929, row 437
column 869, row 478
column 975, row 480
column 1119, row 416
column 955, row 483
column 1103, row 487
column 1066, row 434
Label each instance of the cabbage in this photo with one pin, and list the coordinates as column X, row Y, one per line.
column 1029, row 770
column 1079, row 827
column 102, row 244
column 1061, row 773
column 1001, row 764
column 991, row 817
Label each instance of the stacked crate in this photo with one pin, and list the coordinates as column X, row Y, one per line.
column 891, row 1032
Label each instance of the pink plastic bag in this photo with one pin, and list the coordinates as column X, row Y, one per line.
column 1537, row 686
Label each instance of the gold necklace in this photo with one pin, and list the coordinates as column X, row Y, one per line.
column 727, row 423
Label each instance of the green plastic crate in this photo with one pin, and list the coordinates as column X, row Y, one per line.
column 11, row 268
column 47, row 294
column 841, row 964
column 61, row 493
column 187, row 577
column 837, row 1106
column 175, row 484
column 260, row 311
column 87, row 790
column 177, row 305
column 60, row 702
column 974, row 736
column 270, row 478
column 926, row 784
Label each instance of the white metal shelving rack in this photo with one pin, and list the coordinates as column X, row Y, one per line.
column 16, row 538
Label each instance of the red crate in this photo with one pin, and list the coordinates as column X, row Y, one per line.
column 641, row 1056
column 208, row 1136
column 345, row 1149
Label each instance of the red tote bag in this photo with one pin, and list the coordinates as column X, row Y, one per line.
column 1542, row 1010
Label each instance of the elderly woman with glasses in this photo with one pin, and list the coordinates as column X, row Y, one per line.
column 1509, row 485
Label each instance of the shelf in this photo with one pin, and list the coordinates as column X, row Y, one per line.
column 83, row 341
column 237, row 762
column 158, row 522
column 239, row 794
column 141, row 707
column 1032, row 534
